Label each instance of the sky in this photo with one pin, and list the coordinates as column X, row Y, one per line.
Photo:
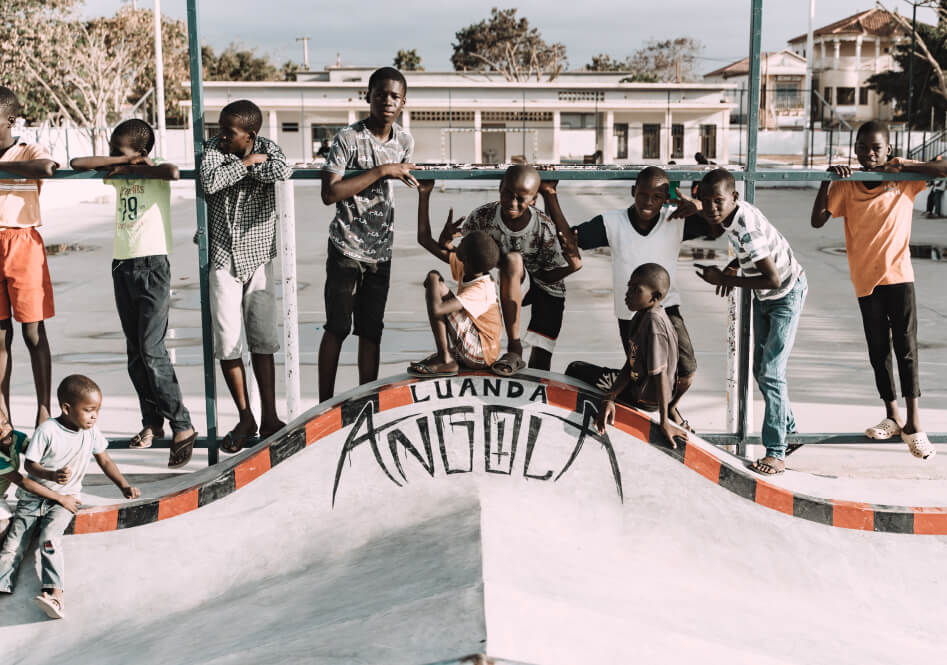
column 370, row 32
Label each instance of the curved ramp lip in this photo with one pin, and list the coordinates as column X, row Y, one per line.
column 727, row 471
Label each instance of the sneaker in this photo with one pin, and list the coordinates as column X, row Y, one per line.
column 919, row 445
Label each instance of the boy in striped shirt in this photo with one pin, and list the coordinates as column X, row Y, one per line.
column 779, row 286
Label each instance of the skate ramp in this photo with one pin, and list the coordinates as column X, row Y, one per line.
column 418, row 522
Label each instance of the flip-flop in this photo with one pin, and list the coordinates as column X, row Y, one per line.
column 51, row 606
column 512, row 363
column 919, row 444
column 884, row 430
column 181, row 452
column 141, row 440
column 236, row 442
column 430, row 358
column 268, row 433
column 766, row 469
column 422, row 369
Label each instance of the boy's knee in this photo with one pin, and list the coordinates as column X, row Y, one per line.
column 34, row 334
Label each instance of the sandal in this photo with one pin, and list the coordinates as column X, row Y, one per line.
column 141, row 440
column 181, row 452
column 919, row 444
column 234, row 443
column 265, row 434
column 52, row 606
column 422, row 368
column 508, row 364
column 884, row 430
column 768, row 468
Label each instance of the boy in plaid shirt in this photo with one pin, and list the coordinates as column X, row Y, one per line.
column 238, row 172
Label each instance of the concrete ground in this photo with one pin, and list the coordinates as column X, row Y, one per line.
column 829, row 376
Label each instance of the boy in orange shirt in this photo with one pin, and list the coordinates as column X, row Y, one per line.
column 878, row 219
column 467, row 326
column 26, row 292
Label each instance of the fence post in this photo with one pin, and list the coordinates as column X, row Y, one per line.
column 203, row 250
column 286, row 213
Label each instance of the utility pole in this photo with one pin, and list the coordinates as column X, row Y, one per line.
column 159, row 83
column 807, row 88
column 305, row 41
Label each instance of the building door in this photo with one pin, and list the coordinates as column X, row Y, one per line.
column 493, row 145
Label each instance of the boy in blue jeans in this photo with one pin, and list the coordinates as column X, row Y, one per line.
column 57, row 457
column 358, row 267
column 141, row 275
column 779, row 291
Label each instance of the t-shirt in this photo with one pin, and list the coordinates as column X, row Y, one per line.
column 652, row 345
column 10, row 463
column 142, row 217
column 19, row 198
column 631, row 248
column 55, row 446
column 877, row 230
column 537, row 242
column 479, row 298
column 362, row 228
column 754, row 238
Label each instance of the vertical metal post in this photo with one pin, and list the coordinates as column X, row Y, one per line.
column 159, row 85
column 286, row 213
column 806, row 88
column 203, row 251
column 907, row 150
column 746, row 304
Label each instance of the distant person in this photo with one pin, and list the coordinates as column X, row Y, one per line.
column 647, row 379
column 239, row 171
column 536, row 253
column 878, row 218
column 779, row 285
column 935, row 198
column 57, row 457
column 141, row 276
column 467, row 326
column 648, row 231
column 26, row 292
column 361, row 235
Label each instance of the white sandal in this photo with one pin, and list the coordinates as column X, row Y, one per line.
column 919, row 444
column 884, row 430
column 52, row 606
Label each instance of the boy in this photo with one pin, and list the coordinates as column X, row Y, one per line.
column 877, row 230
column 57, row 457
column 467, row 327
column 534, row 245
column 779, row 289
column 648, row 232
column 141, row 276
column 238, row 172
column 358, row 266
column 647, row 378
column 26, row 292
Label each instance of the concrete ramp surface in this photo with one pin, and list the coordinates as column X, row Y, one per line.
column 421, row 522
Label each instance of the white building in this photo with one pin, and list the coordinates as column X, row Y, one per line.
column 467, row 117
column 782, row 78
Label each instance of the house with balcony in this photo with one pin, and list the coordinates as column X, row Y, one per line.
column 481, row 118
column 782, row 98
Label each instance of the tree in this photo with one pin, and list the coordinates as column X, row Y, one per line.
column 408, row 61
column 667, row 60
column 508, row 45
column 235, row 64
column 604, row 63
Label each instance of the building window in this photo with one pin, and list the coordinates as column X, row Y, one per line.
column 577, row 121
column 290, row 126
column 828, row 95
column 863, row 96
column 708, row 141
column 211, row 129
column 651, row 141
column 677, row 141
column 581, row 96
column 845, row 96
column 621, row 135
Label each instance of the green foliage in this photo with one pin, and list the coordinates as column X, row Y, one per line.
column 236, row 64
column 604, row 63
column 506, row 44
column 668, row 60
column 408, row 61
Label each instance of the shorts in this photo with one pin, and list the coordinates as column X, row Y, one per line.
column 249, row 306
column 27, row 291
column 686, row 358
column 465, row 341
column 355, row 290
column 545, row 321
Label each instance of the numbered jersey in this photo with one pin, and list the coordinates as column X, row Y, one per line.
column 142, row 217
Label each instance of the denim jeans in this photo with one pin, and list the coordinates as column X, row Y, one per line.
column 143, row 298
column 52, row 520
column 774, row 331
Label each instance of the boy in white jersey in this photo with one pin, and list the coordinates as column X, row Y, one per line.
column 648, row 232
column 779, row 292
column 141, row 275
